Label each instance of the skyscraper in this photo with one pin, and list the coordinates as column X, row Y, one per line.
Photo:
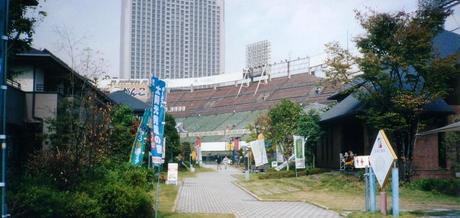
column 172, row 38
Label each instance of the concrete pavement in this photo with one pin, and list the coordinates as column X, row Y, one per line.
column 214, row 192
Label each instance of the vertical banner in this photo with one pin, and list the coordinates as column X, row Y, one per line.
column 279, row 154
column 299, row 151
column 158, row 89
column 259, row 152
column 198, row 149
column 137, row 151
column 236, row 148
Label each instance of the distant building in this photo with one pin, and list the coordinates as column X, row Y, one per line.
column 172, row 38
column 258, row 54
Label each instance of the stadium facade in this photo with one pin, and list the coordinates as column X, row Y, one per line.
column 172, row 39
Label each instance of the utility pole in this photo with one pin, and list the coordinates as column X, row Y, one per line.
column 3, row 56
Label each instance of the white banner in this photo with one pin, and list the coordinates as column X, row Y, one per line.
column 299, row 151
column 259, row 153
column 279, row 154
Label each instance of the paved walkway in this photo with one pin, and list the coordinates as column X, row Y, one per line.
column 214, row 192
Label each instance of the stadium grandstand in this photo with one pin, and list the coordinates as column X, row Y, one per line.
column 221, row 107
column 218, row 113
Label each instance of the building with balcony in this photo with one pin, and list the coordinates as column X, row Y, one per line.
column 38, row 83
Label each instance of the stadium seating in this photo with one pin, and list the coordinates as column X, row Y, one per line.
column 228, row 107
column 302, row 88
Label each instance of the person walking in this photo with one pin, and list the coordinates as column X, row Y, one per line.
column 226, row 162
column 219, row 161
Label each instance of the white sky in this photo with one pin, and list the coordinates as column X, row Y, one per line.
column 296, row 28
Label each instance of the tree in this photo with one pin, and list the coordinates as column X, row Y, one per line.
column 262, row 124
column 77, row 141
column 172, row 139
column 23, row 16
column 308, row 126
column 122, row 128
column 403, row 72
column 284, row 119
column 339, row 64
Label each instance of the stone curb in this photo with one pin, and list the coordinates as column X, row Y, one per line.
column 177, row 197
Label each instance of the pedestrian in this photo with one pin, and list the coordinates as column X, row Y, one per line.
column 226, row 161
column 219, row 161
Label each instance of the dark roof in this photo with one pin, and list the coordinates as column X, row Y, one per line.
column 447, row 43
column 121, row 97
column 449, row 128
column 351, row 106
column 35, row 53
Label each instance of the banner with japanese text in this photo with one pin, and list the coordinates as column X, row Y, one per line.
column 137, row 151
column 158, row 89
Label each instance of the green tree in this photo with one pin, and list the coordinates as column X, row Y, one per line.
column 339, row 64
column 308, row 126
column 121, row 137
column 262, row 124
column 23, row 16
column 403, row 72
column 172, row 139
column 284, row 120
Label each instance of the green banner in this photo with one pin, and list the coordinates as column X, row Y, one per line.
column 137, row 152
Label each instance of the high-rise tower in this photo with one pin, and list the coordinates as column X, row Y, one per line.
column 172, row 38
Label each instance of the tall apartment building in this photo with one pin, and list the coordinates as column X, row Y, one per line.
column 172, row 38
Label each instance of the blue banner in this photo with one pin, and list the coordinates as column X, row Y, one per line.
column 137, row 152
column 158, row 90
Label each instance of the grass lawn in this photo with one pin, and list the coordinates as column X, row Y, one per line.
column 168, row 195
column 342, row 193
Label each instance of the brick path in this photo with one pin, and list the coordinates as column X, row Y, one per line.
column 214, row 192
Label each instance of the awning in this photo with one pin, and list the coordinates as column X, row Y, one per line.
column 449, row 128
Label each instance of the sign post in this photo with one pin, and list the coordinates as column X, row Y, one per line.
column 3, row 87
column 158, row 111
column 395, row 190
column 381, row 159
column 363, row 162
column 372, row 190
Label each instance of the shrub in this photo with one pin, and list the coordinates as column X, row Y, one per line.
column 82, row 205
column 272, row 174
column 117, row 200
column 40, row 201
column 444, row 186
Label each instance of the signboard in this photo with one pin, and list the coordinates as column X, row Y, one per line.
column 137, row 152
column 259, row 153
column 274, row 164
column 158, row 90
column 172, row 173
column 361, row 161
column 382, row 157
column 299, row 151
column 279, row 154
